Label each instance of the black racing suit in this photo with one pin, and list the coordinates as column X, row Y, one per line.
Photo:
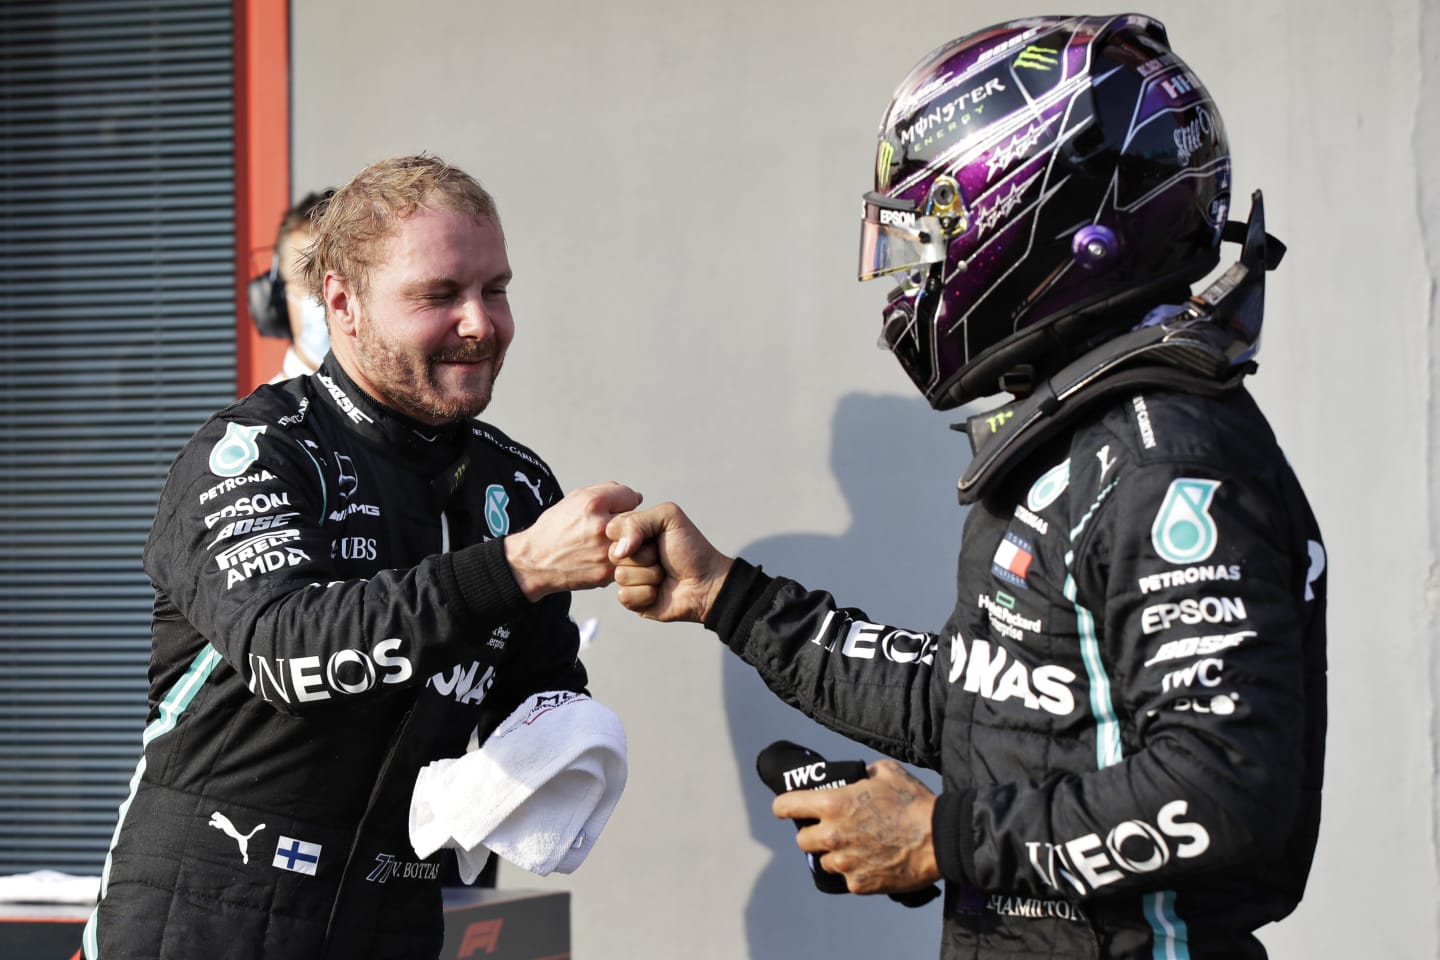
column 1127, row 706
column 333, row 610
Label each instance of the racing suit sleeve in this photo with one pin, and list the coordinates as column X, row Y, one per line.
column 1195, row 596
column 870, row 682
column 250, row 568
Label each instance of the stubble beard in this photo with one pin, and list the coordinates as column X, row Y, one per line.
column 410, row 383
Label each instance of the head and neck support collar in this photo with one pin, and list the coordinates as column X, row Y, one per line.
column 1206, row 346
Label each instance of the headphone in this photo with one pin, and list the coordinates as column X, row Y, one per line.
column 266, row 294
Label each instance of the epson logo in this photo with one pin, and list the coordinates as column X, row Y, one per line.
column 898, row 218
column 1131, row 847
column 248, row 507
column 346, row 672
column 983, row 670
column 1192, row 611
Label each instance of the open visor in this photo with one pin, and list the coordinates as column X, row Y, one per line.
column 894, row 238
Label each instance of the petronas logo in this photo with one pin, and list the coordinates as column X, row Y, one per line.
column 1037, row 58
column 1048, row 488
column 236, row 450
column 496, row 500
column 1184, row 531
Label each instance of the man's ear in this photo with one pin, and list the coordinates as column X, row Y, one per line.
column 341, row 303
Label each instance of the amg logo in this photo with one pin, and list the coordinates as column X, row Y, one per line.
column 350, row 509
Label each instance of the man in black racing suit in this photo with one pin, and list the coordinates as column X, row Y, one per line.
column 1127, row 705
column 346, row 589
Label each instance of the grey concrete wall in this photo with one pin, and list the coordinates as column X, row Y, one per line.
column 679, row 186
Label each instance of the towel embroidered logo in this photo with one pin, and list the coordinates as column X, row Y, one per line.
column 549, row 701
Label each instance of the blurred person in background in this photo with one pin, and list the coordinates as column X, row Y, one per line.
column 280, row 301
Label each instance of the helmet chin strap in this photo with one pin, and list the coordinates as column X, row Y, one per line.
column 908, row 316
column 1207, row 347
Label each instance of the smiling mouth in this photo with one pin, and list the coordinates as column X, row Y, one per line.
column 467, row 357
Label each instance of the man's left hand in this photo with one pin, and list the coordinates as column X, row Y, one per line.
column 875, row 832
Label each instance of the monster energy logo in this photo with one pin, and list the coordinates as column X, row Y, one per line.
column 882, row 164
column 1037, row 58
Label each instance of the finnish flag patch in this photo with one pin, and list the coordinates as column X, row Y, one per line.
column 297, row 856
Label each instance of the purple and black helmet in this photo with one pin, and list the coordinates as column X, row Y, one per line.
column 1037, row 183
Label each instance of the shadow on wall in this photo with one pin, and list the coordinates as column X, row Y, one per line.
column 896, row 463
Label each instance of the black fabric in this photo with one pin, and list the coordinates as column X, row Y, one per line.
column 784, row 766
column 1127, row 705
column 313, row 649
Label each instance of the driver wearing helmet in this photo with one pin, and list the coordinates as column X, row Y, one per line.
column 1127, row 706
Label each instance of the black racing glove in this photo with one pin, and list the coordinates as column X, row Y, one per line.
column 786, row 766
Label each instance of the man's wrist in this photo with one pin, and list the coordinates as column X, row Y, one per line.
column 483, row 581
column 952, row 829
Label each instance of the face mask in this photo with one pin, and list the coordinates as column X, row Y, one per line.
column 314, row 337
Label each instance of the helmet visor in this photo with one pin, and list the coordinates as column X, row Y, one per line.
column 894, row 238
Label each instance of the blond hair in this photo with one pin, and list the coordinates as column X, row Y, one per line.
column 363, row 213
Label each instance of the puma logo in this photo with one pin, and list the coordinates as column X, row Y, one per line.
column 534, row 487
column 222, row 823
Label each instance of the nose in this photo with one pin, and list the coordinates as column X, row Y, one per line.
column 474, row 323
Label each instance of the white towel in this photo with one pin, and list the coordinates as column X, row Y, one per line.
column 537, row 792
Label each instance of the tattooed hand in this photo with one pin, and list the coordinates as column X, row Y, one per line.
column 875, row 832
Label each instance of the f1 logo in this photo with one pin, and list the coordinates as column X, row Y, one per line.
column 485, row 933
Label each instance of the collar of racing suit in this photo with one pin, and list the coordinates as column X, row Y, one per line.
column 387, row 424
column 439, row 451
column 1183, row 353
column 1205, row 346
